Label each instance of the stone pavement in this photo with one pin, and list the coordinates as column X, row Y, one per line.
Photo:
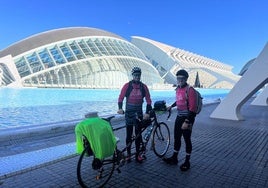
column 225, row 154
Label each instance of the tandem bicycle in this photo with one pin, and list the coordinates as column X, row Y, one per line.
column 92, row 172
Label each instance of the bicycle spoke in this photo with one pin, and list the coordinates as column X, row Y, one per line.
column 161, row 139
column 96, row 173
column 94, row 176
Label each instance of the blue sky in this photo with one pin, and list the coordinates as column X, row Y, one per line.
column 229, row 31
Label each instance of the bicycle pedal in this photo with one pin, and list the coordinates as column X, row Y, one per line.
column 98, row 177
column 121, row 163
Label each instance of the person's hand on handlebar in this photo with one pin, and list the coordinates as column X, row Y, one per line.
column 120, row 111
column 169, row 108
column 146, row 116
column 169, row 111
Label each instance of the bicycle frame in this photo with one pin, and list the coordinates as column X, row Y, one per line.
column 119, row 155
column 103, row 169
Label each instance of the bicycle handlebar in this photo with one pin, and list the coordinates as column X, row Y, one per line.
column 108, row 118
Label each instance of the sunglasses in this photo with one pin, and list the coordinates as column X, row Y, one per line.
column 181, row 78
column 136, row 74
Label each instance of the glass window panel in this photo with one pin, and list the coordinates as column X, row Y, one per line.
column 20, row 63
column 93, row 48
column 79, row 54
column 119, row 46
column 36, row 68
column 100, row 47
column 34, row 63
column 108, row 47
column 67, row 52
column 115, row 48
column 46, row 59
column 128, row 50
column 57, row 55
column 32, row 59
column 24, row 71
column 85, row 48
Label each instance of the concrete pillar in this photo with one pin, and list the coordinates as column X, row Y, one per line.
column 253, row 80
column 262, row 98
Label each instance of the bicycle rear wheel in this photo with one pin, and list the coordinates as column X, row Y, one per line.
column 161, row 139
column 94, row 175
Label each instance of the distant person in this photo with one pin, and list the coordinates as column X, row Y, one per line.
column 184, row 120
column 134, row 91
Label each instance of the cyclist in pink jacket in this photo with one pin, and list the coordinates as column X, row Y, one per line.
column 134, row 91
column 184, row 120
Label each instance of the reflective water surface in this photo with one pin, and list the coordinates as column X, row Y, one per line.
column 34, row 106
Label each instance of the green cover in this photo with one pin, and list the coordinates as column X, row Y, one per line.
column 99, row 134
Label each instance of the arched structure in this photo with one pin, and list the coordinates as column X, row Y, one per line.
column 245, row 88
column 262, row 98
column 246, row 67
column 168, row 60
column 77, row 57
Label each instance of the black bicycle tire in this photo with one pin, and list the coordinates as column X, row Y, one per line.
column 155, row 132
column 79, row 172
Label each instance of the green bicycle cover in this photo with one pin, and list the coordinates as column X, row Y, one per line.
column 99, row 134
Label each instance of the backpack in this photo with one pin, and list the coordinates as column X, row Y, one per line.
column 199, row 100
column 130, row 87
column 160, row 106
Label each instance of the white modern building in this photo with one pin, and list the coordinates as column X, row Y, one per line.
column 168, row 60
column 73, row 58
column 82, row 57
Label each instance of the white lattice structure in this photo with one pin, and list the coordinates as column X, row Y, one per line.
column 168, row 60
column 76, row 57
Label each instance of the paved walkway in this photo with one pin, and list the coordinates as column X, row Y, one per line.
column 225, row 154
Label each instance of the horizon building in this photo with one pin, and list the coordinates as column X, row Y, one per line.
column 83, row 57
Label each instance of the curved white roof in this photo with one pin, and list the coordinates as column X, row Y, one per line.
column 51, row 36
column 74, row 58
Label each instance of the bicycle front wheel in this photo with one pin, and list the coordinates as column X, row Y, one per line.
column 92, row 173
column 161, row 139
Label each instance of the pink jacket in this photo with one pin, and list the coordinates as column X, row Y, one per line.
column 181, row 101
column 135, row 96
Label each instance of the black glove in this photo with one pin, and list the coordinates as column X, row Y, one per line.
column 148, row 108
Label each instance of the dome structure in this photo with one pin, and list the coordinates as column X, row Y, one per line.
column 77, row 57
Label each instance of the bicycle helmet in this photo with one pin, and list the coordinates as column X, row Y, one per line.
column 183, row 73
column 136, row 70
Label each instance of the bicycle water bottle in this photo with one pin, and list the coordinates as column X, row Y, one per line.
column 148, row 132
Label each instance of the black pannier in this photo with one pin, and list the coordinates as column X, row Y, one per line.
column 160, row 106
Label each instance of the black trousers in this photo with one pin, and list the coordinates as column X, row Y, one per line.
column 131, row 123
column 138, row 141
column 178, row 133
